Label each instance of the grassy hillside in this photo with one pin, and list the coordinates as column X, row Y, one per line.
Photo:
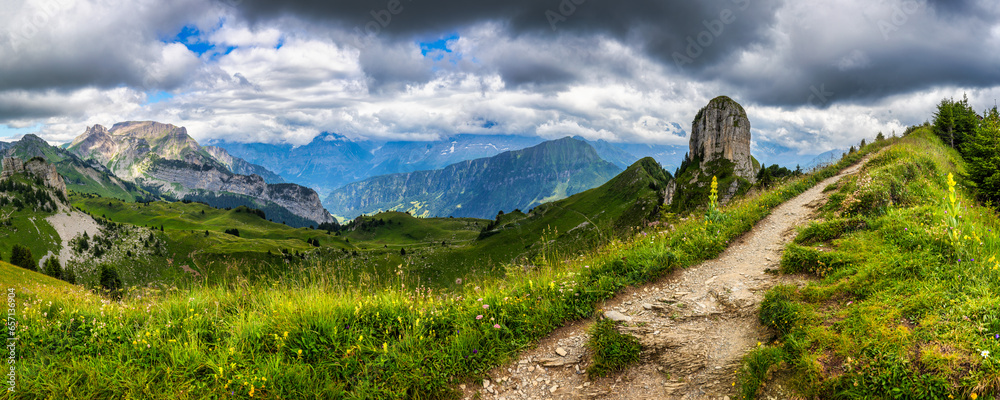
column 906, row 297
column 22, row 217
column 371, row 245
column 261, row 245
column 314, row 336
column 400, row 230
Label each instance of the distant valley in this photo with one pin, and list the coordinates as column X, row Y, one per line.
column 480, row 188
column 331, row 161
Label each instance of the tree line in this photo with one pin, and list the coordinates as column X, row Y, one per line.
column 977, row 139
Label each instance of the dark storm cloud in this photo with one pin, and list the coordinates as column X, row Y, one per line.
column 69, row 44
column 682, row 33
column 867, row 51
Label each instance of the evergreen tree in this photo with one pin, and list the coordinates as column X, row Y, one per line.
column 52, row 268
column 69, row 275
column 982, row 153
column 110, row 281
column 944, row 121
column 21, row 257
column 954, row 121
column 880, row 137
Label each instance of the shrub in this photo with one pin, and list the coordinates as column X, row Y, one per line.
column 798, row 259
column 817, row 232
column 612, row 350
column 778, row 310
column 757, row 366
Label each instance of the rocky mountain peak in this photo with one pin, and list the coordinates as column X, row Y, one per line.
column 722, row 130
column 35, row 167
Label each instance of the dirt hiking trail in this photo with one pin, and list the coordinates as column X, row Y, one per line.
column 694, row 325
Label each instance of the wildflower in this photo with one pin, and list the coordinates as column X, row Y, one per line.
column 385, row 347
column 479, row 299
column 974, row 396
column 479, row 317
column 985, row 353
column 486, row 306
column 475, row 351
column 496, row 326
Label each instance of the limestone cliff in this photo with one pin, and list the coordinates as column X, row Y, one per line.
column 35, row 167
column 720, row 147
column 722, row 130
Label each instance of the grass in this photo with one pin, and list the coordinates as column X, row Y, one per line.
column 317, row 334
column 612, row 351
column 27, row 226
column 899, row 308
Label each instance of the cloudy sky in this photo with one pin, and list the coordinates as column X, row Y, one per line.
column 813, row 75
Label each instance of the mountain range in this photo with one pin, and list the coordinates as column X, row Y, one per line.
column 480, row 188
column 331, row 161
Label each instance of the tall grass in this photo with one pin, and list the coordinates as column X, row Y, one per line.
column 315, row 335
column 907, row 305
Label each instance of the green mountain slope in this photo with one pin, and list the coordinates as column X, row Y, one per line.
column 79, row 175
column 479, row 188
column 559, row 228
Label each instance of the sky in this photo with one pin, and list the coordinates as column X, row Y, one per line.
column 813, row 75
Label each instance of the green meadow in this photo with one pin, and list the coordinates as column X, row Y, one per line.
column 320, row 333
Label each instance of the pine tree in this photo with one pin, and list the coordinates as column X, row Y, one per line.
column 52, row 268
column 110, row 281
column 69, row 275
column 21, row 257
column 944, row 121
column 880, row 137
column 982, row 153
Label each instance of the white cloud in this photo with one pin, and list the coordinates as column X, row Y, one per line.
column 95, row 61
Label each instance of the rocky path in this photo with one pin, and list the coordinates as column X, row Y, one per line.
column 694, row 325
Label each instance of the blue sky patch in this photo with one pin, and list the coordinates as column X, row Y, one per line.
column 157, row 96
column 8, row 134
column 440, row 44
column 190, row 37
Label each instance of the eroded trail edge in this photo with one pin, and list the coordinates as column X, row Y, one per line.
column 694, row 325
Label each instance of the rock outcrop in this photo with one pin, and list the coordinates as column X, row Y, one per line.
column 165, row 157
column 722, row 130
column 719, row 147
column 36, row 167
column 299, row 200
